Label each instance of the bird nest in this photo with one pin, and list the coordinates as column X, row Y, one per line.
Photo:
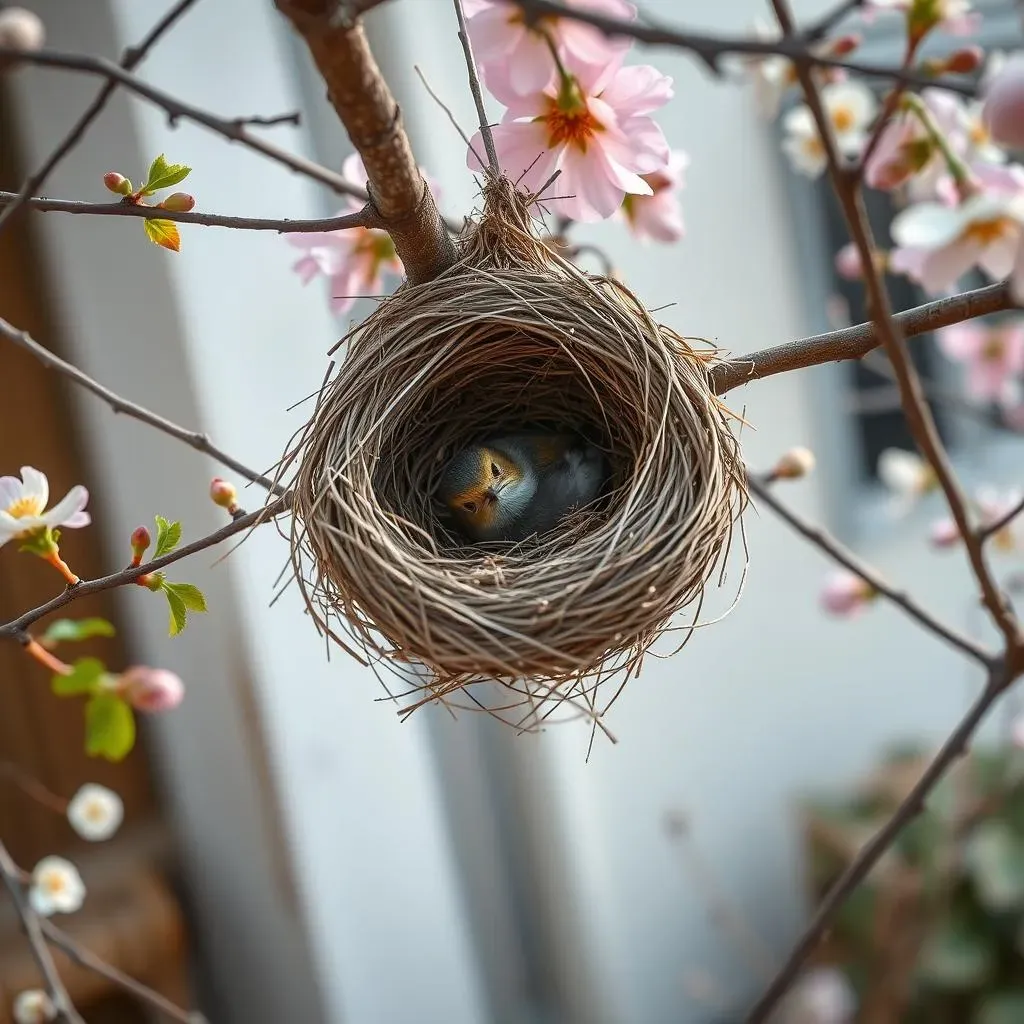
column 513, row 335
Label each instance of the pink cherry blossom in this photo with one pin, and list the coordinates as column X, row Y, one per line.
column 1003, row 109
column 151, row 689
column 937, row 244
column 846, row 595
column 944, row 533
column 990, row 507
column 659, row 216
column 356, row 260
column 993, row 355
column 595, row 129
column 904, row 150
column 515, row 57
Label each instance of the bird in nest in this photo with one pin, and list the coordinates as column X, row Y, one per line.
column 518, row 484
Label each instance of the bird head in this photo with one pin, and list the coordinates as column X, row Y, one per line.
column 480, row 487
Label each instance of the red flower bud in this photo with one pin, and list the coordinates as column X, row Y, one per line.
column 223, row 493
column 179, row 202
column 117, row 183
column 963, row 62
column 843, row 45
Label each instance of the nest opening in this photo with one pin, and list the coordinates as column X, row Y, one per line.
column 513, row 336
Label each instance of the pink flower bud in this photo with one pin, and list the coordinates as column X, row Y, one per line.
column 845, row 594
column 179, row 202
column 117, row 183
column 1003, row 112
column 848, row 264
column 794, row 464
column 140, row 541
column 223, row 493
column 944, row 534
column 21, row 29
column 151, row 689
column 965, row 61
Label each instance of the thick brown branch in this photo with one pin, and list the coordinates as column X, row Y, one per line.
column 363, row 102
column 856, row 342
column 367, row 217
column 129, row 60
column 710, row 49
column 15, row 629
column 121, row 405
column 62, row 1004
column 846, row 558
column 230, row 129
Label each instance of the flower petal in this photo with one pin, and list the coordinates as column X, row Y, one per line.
column 926, row 225
column 68, row 508
column 10, row 491
column 36, row 485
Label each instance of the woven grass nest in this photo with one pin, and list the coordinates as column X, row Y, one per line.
column 513, row 335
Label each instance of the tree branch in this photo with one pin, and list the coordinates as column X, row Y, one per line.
column 871, row 852
column 91, row 962
column 15, row 629
column 367, row 217
column 846, row 558
column 371, row 117
column 710, row 49
column 121, row 405
column 855, row 342
column 175, row 108
column 30, row 924
column 131, row 58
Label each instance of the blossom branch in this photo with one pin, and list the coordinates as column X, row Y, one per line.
column 63, row 1007
column 871, row 852
column 15, row 629
column 130, row 59
column 178, row 109
column 372, row 118
column 90, row 961
column 855, row 342
column 367, row 217
column 121, row 405
column 846, row 558
column 918, row 415
column 710, row 49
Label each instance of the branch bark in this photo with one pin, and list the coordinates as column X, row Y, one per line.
column 856, row 342
column 367, row 109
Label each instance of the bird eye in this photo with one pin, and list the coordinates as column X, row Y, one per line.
column 495, row 469
column 469, row 506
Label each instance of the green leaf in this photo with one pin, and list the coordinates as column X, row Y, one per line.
column 164, row 175
column 85, row 676
column 109, row 727
column 163, row 233
column 995, row 859
column 958, row 956
column 76, row 629
column 179, row 610
column 1006, row 1007
column 191, row 596
column 41, row 542
column 167, row 536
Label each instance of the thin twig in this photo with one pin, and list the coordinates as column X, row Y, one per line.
column 121, row 405
column 177, row 108
column 855, row 342
column 871, row 852
column 15, row 629
column 989, row 530
column 90, row 961
column 474, row 88
column 710, row 49
column 130, row 59
column 846, row 558
column 292, row 118
column 367, row 217
column 30, row 923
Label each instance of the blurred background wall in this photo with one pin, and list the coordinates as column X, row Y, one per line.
column 343, row 865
